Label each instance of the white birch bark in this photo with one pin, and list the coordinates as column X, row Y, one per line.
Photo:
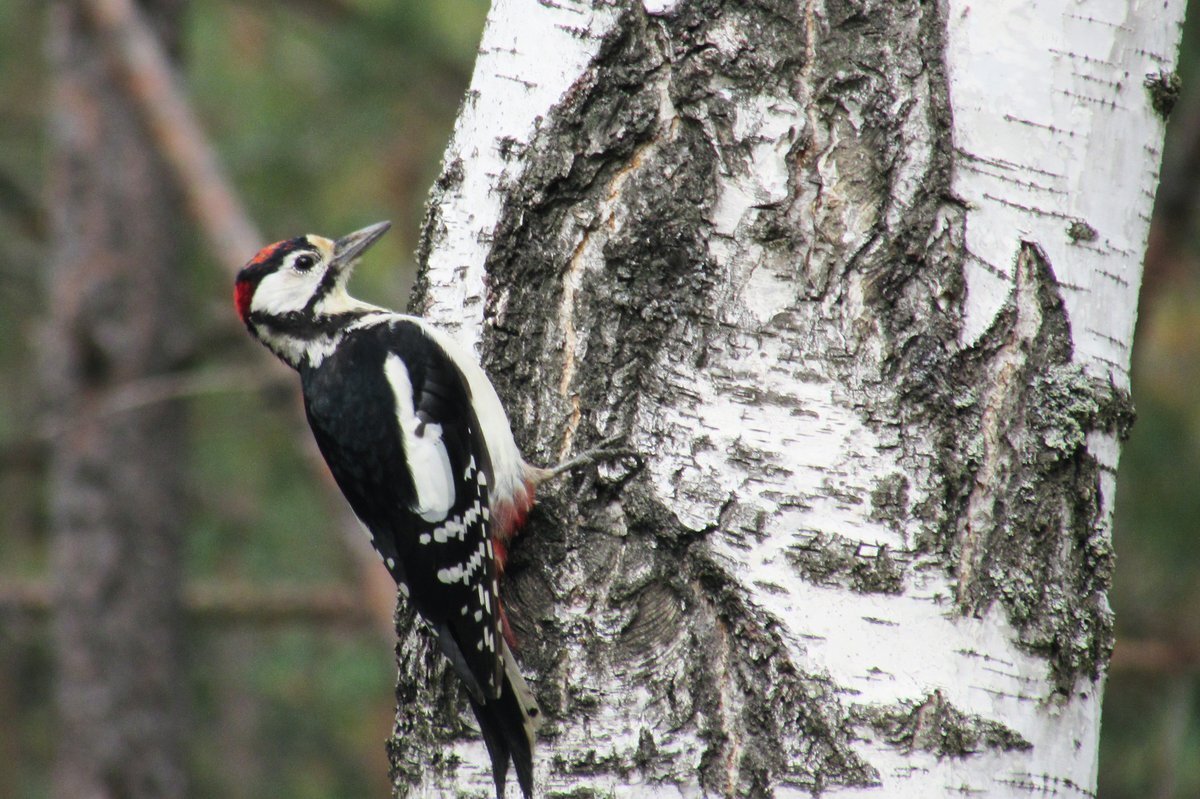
column 859, row 279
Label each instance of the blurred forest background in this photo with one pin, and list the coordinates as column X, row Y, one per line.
column 332, row 114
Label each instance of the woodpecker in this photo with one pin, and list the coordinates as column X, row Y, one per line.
column 419, row 444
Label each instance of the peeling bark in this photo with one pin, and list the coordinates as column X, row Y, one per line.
column 867, row 321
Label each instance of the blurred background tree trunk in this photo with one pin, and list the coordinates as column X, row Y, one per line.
column 859, row 280
column 116, row 317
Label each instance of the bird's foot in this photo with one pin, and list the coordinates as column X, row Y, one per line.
column 607, row 450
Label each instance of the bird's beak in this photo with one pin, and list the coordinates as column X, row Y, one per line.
column 347, row 249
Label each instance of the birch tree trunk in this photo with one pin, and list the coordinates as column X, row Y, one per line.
column 859, row 281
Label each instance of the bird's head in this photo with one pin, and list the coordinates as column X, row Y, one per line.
column 300, row 278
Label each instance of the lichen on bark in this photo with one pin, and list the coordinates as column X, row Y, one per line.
column 834, row 560
column 931, row 724
column 1018, row 521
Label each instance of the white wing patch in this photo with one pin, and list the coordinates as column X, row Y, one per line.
column 508, row 468
column 423, row 447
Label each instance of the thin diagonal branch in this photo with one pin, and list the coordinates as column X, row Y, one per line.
column 150, row 80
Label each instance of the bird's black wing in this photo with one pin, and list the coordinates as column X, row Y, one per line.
column 392, row 416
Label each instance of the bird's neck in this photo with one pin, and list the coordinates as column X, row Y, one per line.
column 300, row 340
column 305, row 338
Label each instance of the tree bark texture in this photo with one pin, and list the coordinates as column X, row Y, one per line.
column 859, row 281
column 115, row 494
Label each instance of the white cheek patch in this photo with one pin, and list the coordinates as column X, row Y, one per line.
column 426, row 453
column 283, row 291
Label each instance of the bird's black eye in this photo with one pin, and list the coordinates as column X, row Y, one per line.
column 304, row 262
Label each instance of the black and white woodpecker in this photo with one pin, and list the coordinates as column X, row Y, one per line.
column 420, row 445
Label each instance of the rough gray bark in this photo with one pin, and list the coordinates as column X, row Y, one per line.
column 115, row 481
column 662, row 605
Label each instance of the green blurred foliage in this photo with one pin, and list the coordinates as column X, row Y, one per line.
column 331, row 114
